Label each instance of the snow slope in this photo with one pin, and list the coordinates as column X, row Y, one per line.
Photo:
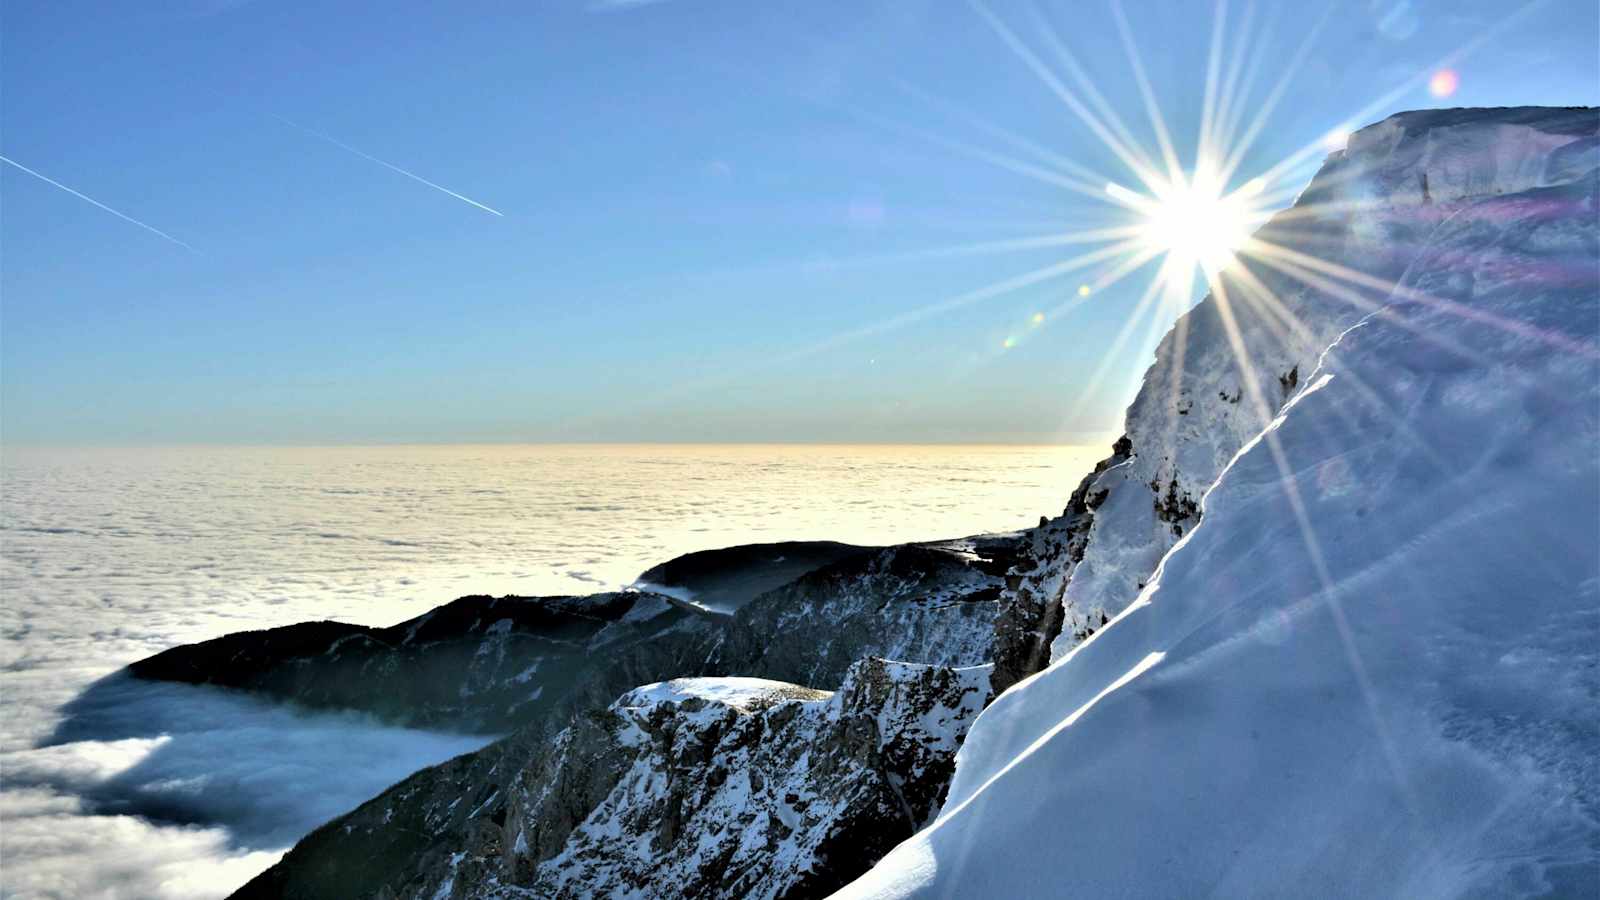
column 1371, row 668
column 1372, row 208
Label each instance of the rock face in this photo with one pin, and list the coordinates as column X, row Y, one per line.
column 737, row 787
column 932, row 604
column 705, row 787
column 726, row 579
column 477, row 664
column 1227, row 367
column 494, row 664
column 1031, row 612
column 928, row 603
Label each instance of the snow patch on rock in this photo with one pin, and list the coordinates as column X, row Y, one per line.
column 729, row 787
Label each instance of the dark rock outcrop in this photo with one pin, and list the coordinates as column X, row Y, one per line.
column 1031, row 612
column 926, row 603
column 478, row 664
column 708, row 787
column 724, row 580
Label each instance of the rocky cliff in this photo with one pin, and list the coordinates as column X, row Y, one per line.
column 545, row 668
column 707, row 787
column 495, row 664
column 730, row 787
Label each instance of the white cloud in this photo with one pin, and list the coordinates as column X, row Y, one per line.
column 173, row 791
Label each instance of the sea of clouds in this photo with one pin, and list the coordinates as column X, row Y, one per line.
column 119, row 788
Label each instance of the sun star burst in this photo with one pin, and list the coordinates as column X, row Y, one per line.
column 1192, row 220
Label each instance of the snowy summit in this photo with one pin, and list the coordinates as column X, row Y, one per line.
column 1368, row 664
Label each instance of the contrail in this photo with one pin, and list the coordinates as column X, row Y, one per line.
column 619, row 5
column 411, row 175
column 82, row 196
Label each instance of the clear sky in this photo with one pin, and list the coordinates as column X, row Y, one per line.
column 718, row 220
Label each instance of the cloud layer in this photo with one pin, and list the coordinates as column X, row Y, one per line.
column 119, row 789
column 213, row 783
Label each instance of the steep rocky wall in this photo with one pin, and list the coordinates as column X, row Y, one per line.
column 735, row 787
column 927, row 603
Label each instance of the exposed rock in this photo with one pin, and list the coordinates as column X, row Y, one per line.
column 419, row 824
column 486, row 664
column 479, row 664
column 731, row 788
column 930, row 603
column 1031, row 613
column 726, row 579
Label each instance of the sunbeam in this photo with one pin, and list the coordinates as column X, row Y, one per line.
column 1081, row 181
column 1132, row 156
column 1006, row 286
column 1270, row 250
column 1191, row 210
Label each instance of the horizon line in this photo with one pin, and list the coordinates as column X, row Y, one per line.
column 1088, row 438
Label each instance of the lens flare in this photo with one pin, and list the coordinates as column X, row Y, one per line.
column 1444, row 83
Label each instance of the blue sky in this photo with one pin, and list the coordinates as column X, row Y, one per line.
column 715, row 214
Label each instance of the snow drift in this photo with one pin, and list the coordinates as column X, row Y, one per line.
column 1369, row 663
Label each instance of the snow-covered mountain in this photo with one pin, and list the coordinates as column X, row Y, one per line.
column 1350, row 560
column 1326, row 622
column 1225, row 369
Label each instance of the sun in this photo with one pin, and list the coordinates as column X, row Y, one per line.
column 1192, row 220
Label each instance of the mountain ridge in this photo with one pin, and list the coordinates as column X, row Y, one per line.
column 1438, row 246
